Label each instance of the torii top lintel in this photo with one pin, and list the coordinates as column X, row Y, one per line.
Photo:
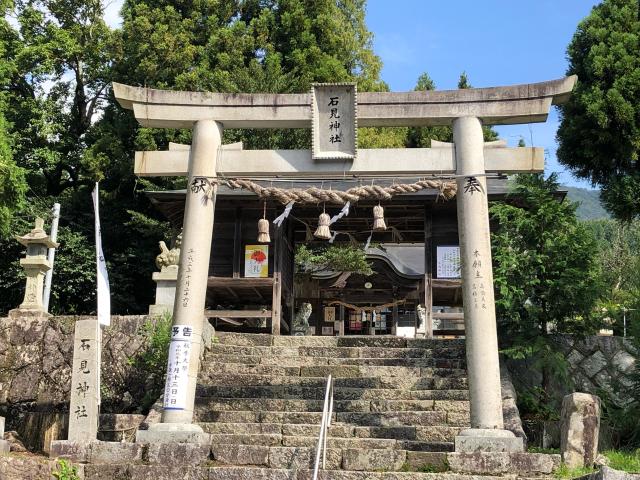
column 526, row 103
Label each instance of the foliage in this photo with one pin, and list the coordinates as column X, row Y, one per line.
column 154, row 356
column 533, row 402
column 545, row 274
column 65, row 470
column 547, row 451
column 624, row 461
column 13, row 185
column 599, row 134
column 563, row 472
column 67, row 131
column 336, row 258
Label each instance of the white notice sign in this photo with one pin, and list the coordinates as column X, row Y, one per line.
column 448, row 262
column 334, row 123
column 175, row 390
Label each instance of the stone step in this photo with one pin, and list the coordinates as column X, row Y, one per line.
column 365, row 419
column 338, row 352
column 396, row 419
column 297, row 361
column 437, row 433
column 249, row 472
column 212, row 370
column 278, row 404
column 276, row 440
column 317, row 393
column 358, row 459
column 248, row 416
column 400, row 383
column 272, row 404
column 240, row 339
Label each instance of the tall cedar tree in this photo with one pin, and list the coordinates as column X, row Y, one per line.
column 599, row 135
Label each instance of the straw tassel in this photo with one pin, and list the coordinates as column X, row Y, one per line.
column 378, row 219
column 263, row 227
column 322, row 231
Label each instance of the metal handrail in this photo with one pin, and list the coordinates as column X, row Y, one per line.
column 327, row 412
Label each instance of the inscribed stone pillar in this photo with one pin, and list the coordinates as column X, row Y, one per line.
column 188, row 312
column 85, row 387
column 487, row 429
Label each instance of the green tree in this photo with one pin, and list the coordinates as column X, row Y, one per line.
column 599, row 134
column 545, row 273
column 12, row 181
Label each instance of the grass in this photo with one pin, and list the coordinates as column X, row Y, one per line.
column 548, row 451
column 626, row 461
column 564, row 472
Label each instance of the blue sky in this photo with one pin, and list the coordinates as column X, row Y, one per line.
column 497, row 42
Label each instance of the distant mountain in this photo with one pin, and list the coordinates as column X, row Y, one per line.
column 589, row 203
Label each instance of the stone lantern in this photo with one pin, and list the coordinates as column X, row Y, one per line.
column 35, row 266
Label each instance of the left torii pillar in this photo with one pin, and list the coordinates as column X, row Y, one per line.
column 191, row 290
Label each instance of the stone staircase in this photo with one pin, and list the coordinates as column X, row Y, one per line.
column 398, row 403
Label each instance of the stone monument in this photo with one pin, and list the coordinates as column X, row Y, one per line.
column 579, row 429
column 166, row 279
column 35, row 266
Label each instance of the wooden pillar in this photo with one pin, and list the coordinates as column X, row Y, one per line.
column 394, row 319
column 238, row 254
column 276, row 302
column 428, row 271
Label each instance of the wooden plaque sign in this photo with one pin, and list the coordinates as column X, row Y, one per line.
column 334, row 124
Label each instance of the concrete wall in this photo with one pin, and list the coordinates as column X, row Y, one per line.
column 35, row 366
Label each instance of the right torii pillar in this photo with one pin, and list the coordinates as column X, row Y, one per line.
column 487, row 431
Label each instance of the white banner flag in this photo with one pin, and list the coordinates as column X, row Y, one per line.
column 104, row 296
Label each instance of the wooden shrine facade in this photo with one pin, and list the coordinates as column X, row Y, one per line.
column 404, row 260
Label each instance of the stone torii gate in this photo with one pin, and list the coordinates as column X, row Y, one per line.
column 330, row 110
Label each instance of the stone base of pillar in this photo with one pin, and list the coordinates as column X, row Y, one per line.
column 28, row 313
column 488, row 440
column 173, row 433
column 5, row 447
column 166, row 281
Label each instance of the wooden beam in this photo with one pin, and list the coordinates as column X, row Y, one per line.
column 449, row 316
column 369, row 162
column 239, row 282
column 237, row 313
column 514, row 104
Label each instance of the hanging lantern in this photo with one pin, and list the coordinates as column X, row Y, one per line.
column 378, row 219
column 263, row 227
column 322, row 231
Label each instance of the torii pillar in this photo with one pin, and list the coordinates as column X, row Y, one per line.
column 487, row 431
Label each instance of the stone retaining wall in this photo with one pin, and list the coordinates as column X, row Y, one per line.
column 35, row 365
column 597, row 365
